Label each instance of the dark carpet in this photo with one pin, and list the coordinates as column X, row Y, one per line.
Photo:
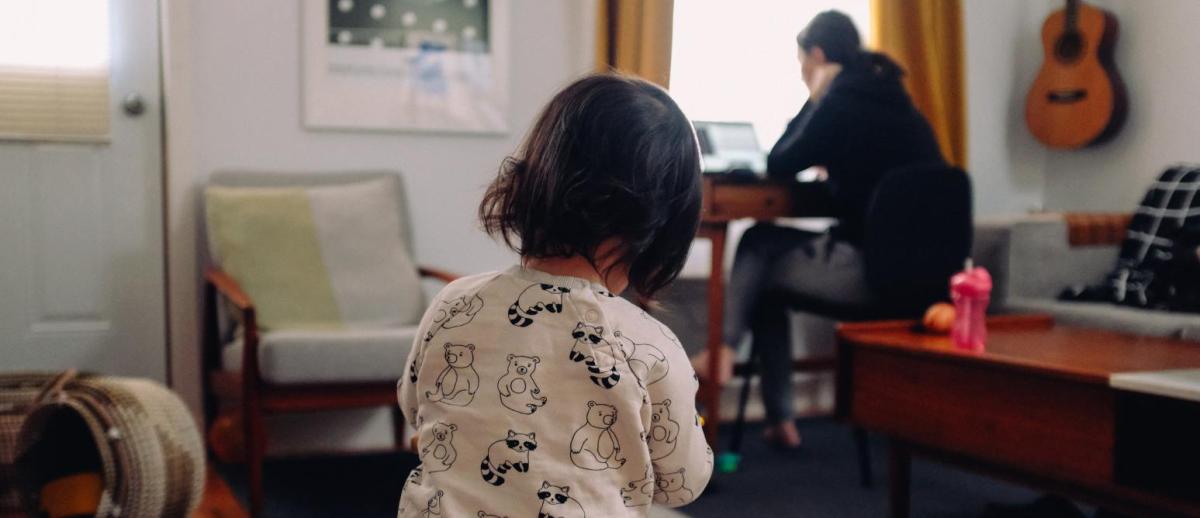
column 818, row 480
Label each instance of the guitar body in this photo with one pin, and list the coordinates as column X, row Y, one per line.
column 1078, row 98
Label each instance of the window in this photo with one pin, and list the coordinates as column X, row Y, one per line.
column 54, row 58
column 736, row 61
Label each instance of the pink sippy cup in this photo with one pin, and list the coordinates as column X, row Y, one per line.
column 971, row 290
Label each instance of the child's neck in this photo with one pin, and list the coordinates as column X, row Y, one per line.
column 616, row 279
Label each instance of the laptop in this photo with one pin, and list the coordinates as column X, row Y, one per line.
column 730, row 148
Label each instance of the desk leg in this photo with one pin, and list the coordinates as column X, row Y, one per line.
column 711, row 391
column 899, row 478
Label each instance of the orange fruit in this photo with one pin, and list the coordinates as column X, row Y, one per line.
column 939, row 318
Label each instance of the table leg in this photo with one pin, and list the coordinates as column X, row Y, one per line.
column 710, row 390
column 899, row 478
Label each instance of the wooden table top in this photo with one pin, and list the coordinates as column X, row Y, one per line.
column 1034, row 343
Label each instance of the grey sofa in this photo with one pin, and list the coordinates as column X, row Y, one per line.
column 1033, row 258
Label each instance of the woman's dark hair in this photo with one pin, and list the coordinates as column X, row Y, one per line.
column 610, row 157
column 835, row 34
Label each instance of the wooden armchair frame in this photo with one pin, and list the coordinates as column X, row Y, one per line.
column 258, row 397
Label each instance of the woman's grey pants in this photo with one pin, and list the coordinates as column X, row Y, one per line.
column 774, row 261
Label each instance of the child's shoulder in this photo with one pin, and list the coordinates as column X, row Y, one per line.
column 469, row 286
column 627, row 315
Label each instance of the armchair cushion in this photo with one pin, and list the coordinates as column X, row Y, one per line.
column 319, row 257
column 324, row 356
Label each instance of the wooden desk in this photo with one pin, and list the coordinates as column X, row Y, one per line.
column 725, row 202
column 1035, row 407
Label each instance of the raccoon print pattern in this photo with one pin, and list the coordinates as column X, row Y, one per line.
column 557, row 502
column 603, row 370
column 456, row 312
column 511, row 452
column 485, row 514
column 534, row 300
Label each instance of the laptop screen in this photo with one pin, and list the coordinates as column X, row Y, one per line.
column 730, row 145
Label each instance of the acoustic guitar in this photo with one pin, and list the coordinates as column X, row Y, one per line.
column 1078, row 98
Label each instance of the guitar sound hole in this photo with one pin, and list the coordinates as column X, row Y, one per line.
column 1066, row 96
column 1069, row 47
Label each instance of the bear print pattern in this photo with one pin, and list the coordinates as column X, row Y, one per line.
column 608, row 347
column 647, row 362
column 511, row 452
column 439, row 454
column 557, row 502
column 594, row 446
column 534, row 300
column 434, row 507
column 663, row 432
column 519, row 392
column 457, row 383
column 670, row 490
column 602, row 368
column 454, row 313
column 639, row 492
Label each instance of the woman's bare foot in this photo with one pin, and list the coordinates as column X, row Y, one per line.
column 724, row 365
column 783, row 435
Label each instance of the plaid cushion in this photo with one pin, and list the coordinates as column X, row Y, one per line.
column 1142, row 277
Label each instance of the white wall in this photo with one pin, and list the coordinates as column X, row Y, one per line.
column 1156, row 54
column 1001, row 59
column 233, row 92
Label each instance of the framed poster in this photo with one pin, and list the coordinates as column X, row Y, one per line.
column 420, row 65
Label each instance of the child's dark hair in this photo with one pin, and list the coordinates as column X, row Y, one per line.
column 610, row 157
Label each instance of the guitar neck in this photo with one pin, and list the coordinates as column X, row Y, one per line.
column 1071, row 20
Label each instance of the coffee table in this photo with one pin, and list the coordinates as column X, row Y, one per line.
column 1036, row 407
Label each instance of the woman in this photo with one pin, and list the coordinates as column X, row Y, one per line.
column 858, row 124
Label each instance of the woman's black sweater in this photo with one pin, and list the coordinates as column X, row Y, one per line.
column 865, row 126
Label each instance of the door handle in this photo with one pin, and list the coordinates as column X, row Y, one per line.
column 133, row 105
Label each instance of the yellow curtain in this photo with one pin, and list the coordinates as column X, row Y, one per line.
column 926, row 38
column 634, row 37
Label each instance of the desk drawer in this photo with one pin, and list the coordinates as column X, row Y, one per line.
column 762, row 201
column 1055, row 427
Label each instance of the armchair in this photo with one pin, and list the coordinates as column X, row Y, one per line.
column 282, row 367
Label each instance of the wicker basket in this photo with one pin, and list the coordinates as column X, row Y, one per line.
column 17, row 394
column 150, row 451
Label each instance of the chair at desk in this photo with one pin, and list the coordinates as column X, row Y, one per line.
column 918, row 233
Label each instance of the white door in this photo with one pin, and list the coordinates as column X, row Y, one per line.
column 81, row 233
